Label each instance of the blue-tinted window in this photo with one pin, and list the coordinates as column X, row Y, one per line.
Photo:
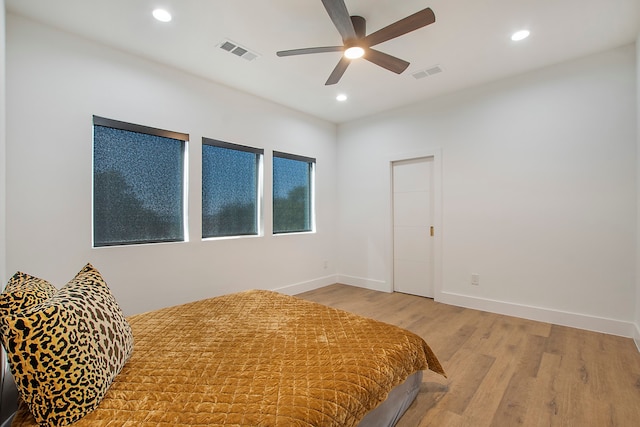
column 230, row 189
column 138, row 184
column 292, row 193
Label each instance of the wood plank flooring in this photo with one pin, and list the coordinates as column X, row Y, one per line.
column 505, row 371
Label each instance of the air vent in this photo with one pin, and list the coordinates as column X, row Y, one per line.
column 237, row 50
column 427, row 72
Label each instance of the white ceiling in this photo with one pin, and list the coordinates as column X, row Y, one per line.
column 470, row 41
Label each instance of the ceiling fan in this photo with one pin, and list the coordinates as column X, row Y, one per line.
column 357, row 44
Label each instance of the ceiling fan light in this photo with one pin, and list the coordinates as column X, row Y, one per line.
column 520, row 35
column 161, row 15
column 341, row 97
column 354, row 52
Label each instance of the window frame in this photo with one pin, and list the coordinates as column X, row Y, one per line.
column 259, row 186
column 311, row 161
column 136, row 128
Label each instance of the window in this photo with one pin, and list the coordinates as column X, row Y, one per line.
column 138, row 184
column 231, row 189
column 292, row 193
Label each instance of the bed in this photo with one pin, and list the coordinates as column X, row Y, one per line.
column 253, row 358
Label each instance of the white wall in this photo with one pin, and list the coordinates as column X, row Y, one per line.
column 3, row 246
column 637, row 317
column 55, row 83
column 538, row 192
column 538, row 183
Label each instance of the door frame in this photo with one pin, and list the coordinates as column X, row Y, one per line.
column 436, row 154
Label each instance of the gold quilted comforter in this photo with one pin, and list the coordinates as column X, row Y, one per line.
column 256, row 358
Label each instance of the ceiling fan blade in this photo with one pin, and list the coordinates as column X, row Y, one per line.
column 384, row 60
column 337, row 72
column 403, row 26
column 309, row 50
column 339, row 14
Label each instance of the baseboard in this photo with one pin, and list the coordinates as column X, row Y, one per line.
column 556, row 317
column 361, row 282
column 310, row 285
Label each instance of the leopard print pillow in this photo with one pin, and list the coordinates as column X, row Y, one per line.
column 65, row 352
column 22, row 292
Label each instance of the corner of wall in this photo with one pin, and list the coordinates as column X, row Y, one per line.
column 3, row 178
column 637, row 315
column 361, row 282
column 310, row 285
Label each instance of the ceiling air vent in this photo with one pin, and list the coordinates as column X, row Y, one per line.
column 427, row 72
column 237, row 50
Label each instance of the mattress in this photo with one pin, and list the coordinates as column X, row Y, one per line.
column 389, row 412
column 257, row 358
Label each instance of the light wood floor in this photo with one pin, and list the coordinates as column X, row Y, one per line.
column 505, row 371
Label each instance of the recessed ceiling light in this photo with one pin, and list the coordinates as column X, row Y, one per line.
column 520, row 35
column 341, row 97
column 162, row 15
column 354, row 52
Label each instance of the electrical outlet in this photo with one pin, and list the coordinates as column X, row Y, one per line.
column 475, row 279
column 326, row 265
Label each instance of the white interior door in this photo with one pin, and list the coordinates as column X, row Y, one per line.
column 413, row 204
